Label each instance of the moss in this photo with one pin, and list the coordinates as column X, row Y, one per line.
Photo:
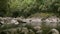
column 41, row 15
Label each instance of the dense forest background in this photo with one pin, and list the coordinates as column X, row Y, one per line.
column 28, row 8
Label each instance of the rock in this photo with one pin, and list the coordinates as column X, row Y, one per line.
column 53, row 31
column 37, row 28
column 24, row 30
column 13, row 21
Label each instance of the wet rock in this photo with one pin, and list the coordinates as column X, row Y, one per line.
column 24, row 30
column 13, row 21
column 53, row 31
column 31, row 31
column 38, row 30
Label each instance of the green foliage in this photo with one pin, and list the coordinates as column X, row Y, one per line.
column 26, row 8
column 3, row 7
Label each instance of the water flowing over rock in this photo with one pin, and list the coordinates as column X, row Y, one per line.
column 50, row 21
column 14, row 21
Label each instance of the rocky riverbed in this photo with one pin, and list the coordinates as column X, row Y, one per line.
column 50, row 21
column 24, row 25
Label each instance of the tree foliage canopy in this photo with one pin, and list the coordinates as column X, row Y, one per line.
column 26, row 8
